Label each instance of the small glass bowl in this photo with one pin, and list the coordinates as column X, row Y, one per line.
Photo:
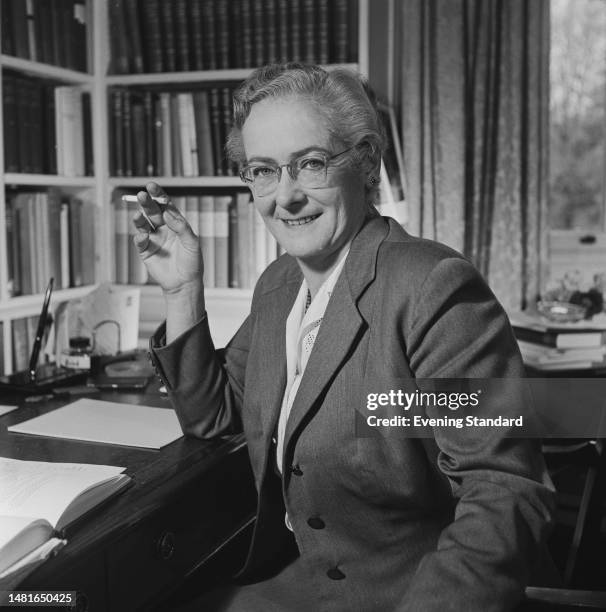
column 561, row 312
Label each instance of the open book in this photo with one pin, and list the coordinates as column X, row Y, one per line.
column 38, row 499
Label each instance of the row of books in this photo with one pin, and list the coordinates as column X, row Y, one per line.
column 47, row 129
column 170, row 133
column 550, row 346
column 49, row 234
column 156, row 36
column 49, row 31
column 236, row 245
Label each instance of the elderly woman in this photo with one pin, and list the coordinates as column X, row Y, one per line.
column 347, row 522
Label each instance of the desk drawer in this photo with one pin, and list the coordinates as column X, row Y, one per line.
column 166, row 546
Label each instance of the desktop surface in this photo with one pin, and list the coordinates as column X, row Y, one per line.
column 186, row 501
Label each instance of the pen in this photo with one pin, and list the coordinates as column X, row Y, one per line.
column 33, row 362
column 162, row 200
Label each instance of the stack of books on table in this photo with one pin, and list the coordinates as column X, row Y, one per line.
column 546, row 345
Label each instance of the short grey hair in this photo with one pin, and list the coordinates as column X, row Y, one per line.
column 341, row 96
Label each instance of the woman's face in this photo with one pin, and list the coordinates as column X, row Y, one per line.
column 315, row 225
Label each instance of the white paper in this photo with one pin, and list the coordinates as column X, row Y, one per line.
column 5, row 409
column 39, row 489
column 110, row 422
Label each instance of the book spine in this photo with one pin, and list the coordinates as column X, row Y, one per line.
column 134, row 35
column 11, row 129
column 182, row 35
column 206, row 166
column 87, row 134
column 296, row 33
column 80, row 32
column 65, row 245
column 77, row 132
column 283, row 30
column 49, row 130
column 23, row 123
column 216, row 119
column 323, row 36
column 308, row 31
column 340, row 31
column 121, row 238
column 222, row 33
column 117, row 104
column 236, row 59
column 185, row 129
column 206, row 232
column 53, row 209
column 31, row 31
column 127, row 132
column 208, row 34
column 197, row 44
column 221, row 220
column 75, row 241
column 177, row 154
column 11, row 264
column 170, row 49
column 167, row 137
column 158, row 143
column 244, row 238
column 258, row 43
column 226, row 102
column 59, row 134
column 246, row 33
column 152, row 31
column 149, row 134
column 68, row 34
column 36, row 125
column 139, row 137
column 8, row 43
column 18, row 12
column 234, row 262
column 120, row 52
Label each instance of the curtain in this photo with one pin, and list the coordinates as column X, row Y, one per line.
column 474, row 103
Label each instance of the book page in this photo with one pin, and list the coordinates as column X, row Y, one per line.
column 110, row 422
column 38, row 489
column 14, row 574
column 19, row 536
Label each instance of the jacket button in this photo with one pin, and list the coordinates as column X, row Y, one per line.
column 335, row 574
column 316, row 523
column 296, row 470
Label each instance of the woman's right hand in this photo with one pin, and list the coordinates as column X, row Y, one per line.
column 171, row 253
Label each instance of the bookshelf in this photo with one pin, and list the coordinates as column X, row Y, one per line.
column 225, row 305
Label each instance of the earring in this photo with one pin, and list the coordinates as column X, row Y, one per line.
column 373, row 180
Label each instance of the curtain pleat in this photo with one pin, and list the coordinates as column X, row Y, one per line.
column 474, row 121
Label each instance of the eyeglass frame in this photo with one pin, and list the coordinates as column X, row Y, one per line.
column 290, row 169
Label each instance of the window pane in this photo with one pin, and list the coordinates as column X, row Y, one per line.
column 577, row 107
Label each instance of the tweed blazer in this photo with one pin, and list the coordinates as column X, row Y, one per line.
column 450, row 523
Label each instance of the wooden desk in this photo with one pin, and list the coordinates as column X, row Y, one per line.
column 186, row 502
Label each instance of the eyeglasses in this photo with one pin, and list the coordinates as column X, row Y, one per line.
column 310, row 171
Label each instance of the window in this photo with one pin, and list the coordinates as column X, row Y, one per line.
column 578, row 115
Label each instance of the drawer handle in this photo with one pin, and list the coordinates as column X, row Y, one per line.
column 165, row 545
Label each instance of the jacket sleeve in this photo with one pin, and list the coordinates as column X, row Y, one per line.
column 503, row 495
column 205, row 385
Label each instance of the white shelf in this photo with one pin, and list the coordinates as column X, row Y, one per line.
column 212, row 293
column 47, row 180
column 177, row 181
column 199, row 76
column 46, row 71
column 28, row 305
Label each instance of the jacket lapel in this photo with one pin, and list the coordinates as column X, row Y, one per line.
column 341, row 324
